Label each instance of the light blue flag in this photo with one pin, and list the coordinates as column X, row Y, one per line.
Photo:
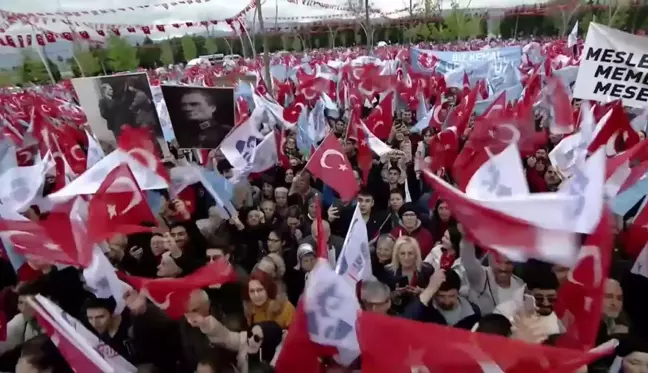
column 154, row 200
column 212, row 184
column 221, row 185
column 623, row 202
column 304, row 141
column 512, row 94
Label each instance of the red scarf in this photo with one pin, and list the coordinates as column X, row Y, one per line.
column 447, row 259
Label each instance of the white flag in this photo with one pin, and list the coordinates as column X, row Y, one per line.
column 331, row 308
column 354, row 262
column 95, row 152
column 20, row 186
column 572, row 39
column 501, row 176
column 265, row 154
column 103, row 282
column 587, row 184
column 89, row 181
column 102, row 354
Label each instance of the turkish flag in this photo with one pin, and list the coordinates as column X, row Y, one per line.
column 463, row 351
column 380, row 119
column 78, row 354
column 57, row 239
column 116, row 31
column 146, row 30
column 101, row 33
column 50, row 37
column 118, row 206
column 10, row 41
column 84, row 34
column 280, row 140
column 160, row 28
column 616, row 134
column 139, row 143
column 329, row 164
column 293, row 110
column 67, row 36
column 580, row 298
column 172, row 294
column 364, row 155
column 489, row 227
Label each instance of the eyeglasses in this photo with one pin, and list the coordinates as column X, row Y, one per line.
column 257, row 338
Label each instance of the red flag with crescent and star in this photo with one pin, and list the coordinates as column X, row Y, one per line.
column 140, row 144
column 172, row 294
column 580, row 298
column 118, row 206
column 329, row 164
column 461, row 351
column 53, row 239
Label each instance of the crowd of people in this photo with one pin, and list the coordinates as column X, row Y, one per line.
column 424, row 268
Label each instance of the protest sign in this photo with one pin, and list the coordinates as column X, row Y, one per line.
column 614, row 65
column 496, row 65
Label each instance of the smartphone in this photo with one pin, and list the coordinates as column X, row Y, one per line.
column 402, row 282
column 529, row 304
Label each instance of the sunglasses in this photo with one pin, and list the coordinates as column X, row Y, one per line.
column 257, row 338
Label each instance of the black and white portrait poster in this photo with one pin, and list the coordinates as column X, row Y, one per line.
column 111, row 102
column 201, row 116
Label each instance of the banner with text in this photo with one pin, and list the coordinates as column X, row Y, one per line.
column 498, row 66
column 614, row 65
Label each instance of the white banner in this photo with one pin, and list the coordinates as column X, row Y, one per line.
column 614, row 65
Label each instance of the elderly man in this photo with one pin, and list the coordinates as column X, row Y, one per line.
column 335, row 243
column 376, row 297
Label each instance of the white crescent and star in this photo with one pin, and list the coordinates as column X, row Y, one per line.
column 132, row 186
column 515, row 133
column 486, row 364
column 342, row 166
column 610, row 147
column 10, row 233
column 74, row 152
column 149, row 160
column 435, row 114
column 595, row 253
column 162, row 306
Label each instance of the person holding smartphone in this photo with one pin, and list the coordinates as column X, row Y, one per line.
column 409, row 274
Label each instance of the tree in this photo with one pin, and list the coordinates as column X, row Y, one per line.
column 461, row 23
column 189, row 50
column 362, row 10
column 285, row 42
column 89, row 63
column 297, row 44
column 565, row 10
column 121, row 55
column 7, row 79
column 33, row 71
column 166, row 53
column 211, row 45
column 616, row 15
column 148, row 54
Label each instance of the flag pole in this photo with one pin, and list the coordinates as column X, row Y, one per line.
column 41, row 55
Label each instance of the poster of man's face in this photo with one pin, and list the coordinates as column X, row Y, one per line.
column 201, row 116
column 112, row 102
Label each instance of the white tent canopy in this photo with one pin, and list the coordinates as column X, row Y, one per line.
column 282, row 11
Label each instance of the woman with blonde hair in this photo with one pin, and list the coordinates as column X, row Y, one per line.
column 409, row 274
